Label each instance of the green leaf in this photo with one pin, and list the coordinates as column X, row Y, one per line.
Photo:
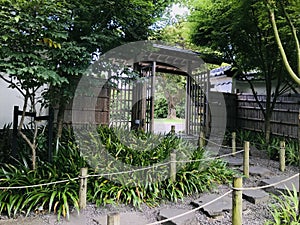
column 5, row 37
column 17, row 18
column 53, row 195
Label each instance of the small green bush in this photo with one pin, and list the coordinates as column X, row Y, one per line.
column 56, row 198
column 137, row 149
column 285, row 210
column 5, row 143
column 140, row 149
column 272, row 149
column 161, row 108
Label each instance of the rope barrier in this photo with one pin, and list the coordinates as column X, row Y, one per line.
column 80, row 177
column 225, row 155
column 117, row 173
column 191, row 211
column 210, row 158
column 222, row 146
column 265, row 186
column 128, row 171
column 40, row 185
column 216, row 199
column 267, row 146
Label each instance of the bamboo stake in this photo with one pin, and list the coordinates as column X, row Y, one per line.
column 201, row 139
column 233, row 143
column 282, row 156
column 113, row 219
column 173, row 166
column 237, row 202
column 83, row 188
column 173, row 129
column 246, row 158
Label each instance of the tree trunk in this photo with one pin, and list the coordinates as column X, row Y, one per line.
column 268, row 129
column 33, row 157
column 171, row 108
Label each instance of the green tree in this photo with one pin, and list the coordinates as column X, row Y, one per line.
column 241, row 31
column 29, row 29
column 98, row 26
column 178, row 33
column 52, row 42
column 290, row 11
column 172, row 87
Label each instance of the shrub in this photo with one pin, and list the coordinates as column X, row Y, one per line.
column 5, row 143
column 285, row 210
column 56, row 198
column 136, row 150
column 161, row 108
column 258, row 140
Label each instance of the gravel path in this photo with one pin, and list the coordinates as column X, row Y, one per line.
column 252, row 215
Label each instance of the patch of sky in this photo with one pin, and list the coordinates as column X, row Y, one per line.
column 171, row 16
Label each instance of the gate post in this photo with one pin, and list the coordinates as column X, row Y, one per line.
column 14, row 144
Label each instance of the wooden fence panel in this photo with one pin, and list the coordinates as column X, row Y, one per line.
column 284, row 121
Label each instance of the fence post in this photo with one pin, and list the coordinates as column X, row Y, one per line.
column 83, row 188
column 237, row 202
column 172, row 129
column 173, row 166
column 113, row 219
column 201, row 139
column 14, row 144
column 246, row 158
column 282, row 156
column 233, row 143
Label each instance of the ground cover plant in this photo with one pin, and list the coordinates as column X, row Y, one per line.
column 272, row 148
column 138, row 151
column 285, row 210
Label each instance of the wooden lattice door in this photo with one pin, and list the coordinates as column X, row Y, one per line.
column 143, row 99
column 196, row 103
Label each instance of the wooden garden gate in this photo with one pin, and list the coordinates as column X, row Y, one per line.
column 132, row 103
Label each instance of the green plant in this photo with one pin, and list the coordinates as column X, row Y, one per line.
column 140, row 149
column 5, row 142
column 137, row 149
column 285, row 210
column 292, row 152
column 242, row 136
column 161, row 108
column 272, row 148
column 57, row 198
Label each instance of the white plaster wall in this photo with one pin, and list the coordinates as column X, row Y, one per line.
column 221, row 84
column 260, row 87
column 8, row 99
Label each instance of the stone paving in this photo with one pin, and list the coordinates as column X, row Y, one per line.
column 283, row 186
column 217, row 208
column 185, row 220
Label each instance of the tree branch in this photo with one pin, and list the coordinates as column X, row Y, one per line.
column 281, row 49
column 255, row 96
column 294, row 32
column 13, row 84
column 24, row 111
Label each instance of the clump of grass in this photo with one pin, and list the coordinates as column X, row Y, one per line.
column 285, row 210
column 137, row 150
